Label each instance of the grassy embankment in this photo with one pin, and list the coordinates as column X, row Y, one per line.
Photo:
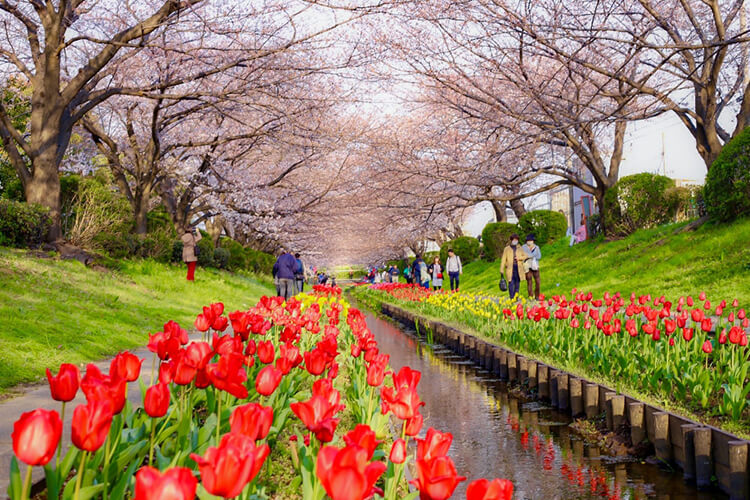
column 714, row 259
column 58, row 311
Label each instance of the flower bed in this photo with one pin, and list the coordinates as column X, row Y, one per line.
column 278, row 385
column 649, row 344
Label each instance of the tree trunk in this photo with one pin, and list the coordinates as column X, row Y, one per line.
column 140, row 211
column 43, row 188
column 518, row 208
column 499, row 208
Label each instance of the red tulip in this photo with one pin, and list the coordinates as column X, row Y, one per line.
column 741, row 314
column 268, row 380
column 436, row 478
column 64, row 386
column 97, row 386
column 398, row 452
column 202, row 323
column 346, row 474
column 166, row 374
column 317, row 414
column 497, row 489
column 697, row 315
column 220, row 323
column 91, row 423
column 252, row 420
column 315, row 361
column 226, row 470
column 229, row 374
column 723, row 336
column 707, row 347
column 414, row 424
column 289, row 357
column 156, row 402
column 706, row 325
column 36, row 435
column 687, row 334
column 177, row 483
column 402, row 398
column 735, row 303
column 226, row 343
column 364, row 437
column 126, row 365
column 434, row 444
column 265, row 352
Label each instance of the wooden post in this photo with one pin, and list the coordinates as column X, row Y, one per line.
column 532, row 372
column 504, row 364
column 703, row 465
column 543, row 381
column 637, row 429
column 617, row 407
column 576, row 396
column 523, row 369
column 661, row 435
column 591, row 400
column 563, row 394
column 512, row 367
column 688, row 448
column 608, row 409
column 738, row 480
column 553, row 394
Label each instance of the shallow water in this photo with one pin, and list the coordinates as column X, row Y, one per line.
column 496, row 435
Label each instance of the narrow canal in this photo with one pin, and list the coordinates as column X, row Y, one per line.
column 497, row 435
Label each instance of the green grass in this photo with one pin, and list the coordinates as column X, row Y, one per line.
column 714, row 259
column 58, row 311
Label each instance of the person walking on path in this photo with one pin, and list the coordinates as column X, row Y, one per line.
column 532, row 264
column 454, row 269
column 283, row 271
column 512, row 265
column 299, row 274
column 421, row 274
column 394, row 274
column 189, row 256
column 436, row 272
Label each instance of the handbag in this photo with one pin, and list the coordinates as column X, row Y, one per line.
column 503, row 284
column 440, row 276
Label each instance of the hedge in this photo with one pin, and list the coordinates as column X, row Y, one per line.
column 495, row 236
column 727, row 190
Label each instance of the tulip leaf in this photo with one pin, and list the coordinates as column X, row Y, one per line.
column 118, row 491
column 411, row 496
column 52, row 480
column 15, row 487
column 89, row 492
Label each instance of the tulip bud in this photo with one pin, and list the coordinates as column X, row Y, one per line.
column 64, row 386
column 36, row 435
column 707, row 347
column 398, row 452
column 156, row 402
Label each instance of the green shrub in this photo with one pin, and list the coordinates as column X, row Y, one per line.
column 158, row 219
column 548, row 226
column 221, row 257
column 157, row 245
column 465, row 247
column 259, row 262
column 177, row 246
column 495, row 236
column 639, row 201
column 206, row 251
column 237, row 257
column 727, row 190
column 101, row 216
column 22, row 225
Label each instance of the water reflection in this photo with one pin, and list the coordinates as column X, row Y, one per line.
column 496, row 435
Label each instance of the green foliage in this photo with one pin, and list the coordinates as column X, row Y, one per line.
column 221, row 257
column 640, row 201
column 465, row 247
column 495, row 236
column 548, row 226
column 259, row 262
column 15, row 95
column 177, row 247
column 238, row 259
column 727, row 190
column 158, row 218
column 206, row 251
column 21, row 224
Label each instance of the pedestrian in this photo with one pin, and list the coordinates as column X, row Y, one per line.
column 454, row 269
column 299, row 274
column 283, row 271
column 407, row 274
column 394, row 274
column 436, row 272
column 532, row 264
column 422, row 275
column 512, row 265
column 190, row 240
column 582, row 231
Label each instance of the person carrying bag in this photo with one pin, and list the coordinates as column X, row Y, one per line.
column 512, row 265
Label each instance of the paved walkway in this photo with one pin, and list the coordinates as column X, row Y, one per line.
column 39, row 397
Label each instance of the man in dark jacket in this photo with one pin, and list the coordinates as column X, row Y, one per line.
column 283, row 271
